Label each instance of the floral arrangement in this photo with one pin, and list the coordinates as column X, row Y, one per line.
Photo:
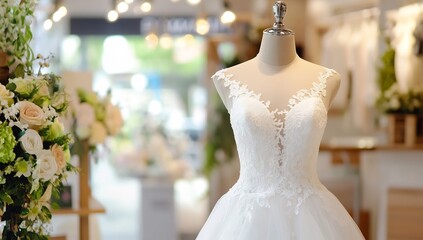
column 159, row 153
column 391, row 99
column 34, row 149
column 34, row 153
column 95, row 118
column 15, row 21
column 395, row 101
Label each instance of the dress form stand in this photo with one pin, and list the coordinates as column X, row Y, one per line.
column 277, row 104
column 284, row 37
column 277, row 72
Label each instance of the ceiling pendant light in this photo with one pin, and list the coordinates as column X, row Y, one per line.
column 112, row 16
column 59, row 14
column 47, row 24
column 146, row 6
column 122, row 7
column 227, row 16
column 193, row 2
column 202, row 26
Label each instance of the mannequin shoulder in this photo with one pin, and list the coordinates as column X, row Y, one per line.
column 227, row 77
column 333, row 81
column 241, row 68
column 234, row 73
column 334, row 77
column 331, row 78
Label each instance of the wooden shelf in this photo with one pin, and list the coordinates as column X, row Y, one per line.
column 400, row 147
column 353, row 152
column 94, row 207
column 325, row 147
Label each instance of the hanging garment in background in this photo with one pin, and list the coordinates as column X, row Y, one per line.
column 408, row 66
column 351, row 49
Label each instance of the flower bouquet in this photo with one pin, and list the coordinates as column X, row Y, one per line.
column 34, row 149
column 95, row 118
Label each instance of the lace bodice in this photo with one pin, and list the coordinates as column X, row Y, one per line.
column 277, row 148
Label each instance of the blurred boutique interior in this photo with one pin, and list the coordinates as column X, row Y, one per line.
column 170, row 153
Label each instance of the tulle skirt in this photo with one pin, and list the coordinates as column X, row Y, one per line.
column 320, row 217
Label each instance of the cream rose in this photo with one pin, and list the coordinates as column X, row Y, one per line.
column 31, row 142
column 98, row 133
column 46, row 165
column 113, row 119
column 59, row 155
column 6, row 96
column 85, row 114
column 31, row 114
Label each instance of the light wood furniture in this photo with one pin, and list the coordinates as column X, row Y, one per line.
column 353, row 152
column 58, row 238
column 87, row 204
column 405, row 214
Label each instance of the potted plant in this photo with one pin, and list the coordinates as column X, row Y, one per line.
column 403, row 108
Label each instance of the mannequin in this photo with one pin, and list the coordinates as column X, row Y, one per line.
column 278, row 117
column 277, row 72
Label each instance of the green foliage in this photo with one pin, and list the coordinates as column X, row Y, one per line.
column 386, row 75
column 16, row 33
column 220, row 142
column 158, row 60
column 391, row 99
column 7, row 143
column 19, row 71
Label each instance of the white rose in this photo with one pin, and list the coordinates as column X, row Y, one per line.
column 46, row 165
column 113, row 119
column 31, row 114
column 31, row 142
column 85, row 114
column 6, row 96
column 98, row 133
column 59, row 155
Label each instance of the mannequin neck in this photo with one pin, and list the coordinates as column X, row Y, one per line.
column 277, row 50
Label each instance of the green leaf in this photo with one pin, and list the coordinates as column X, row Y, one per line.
column 46, row 211
column 6, row 198
column 11, row 86
column 25, row 211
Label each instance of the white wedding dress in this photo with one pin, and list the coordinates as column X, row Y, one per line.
column 278, row 195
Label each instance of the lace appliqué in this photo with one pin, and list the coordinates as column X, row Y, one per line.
column 296, row 190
